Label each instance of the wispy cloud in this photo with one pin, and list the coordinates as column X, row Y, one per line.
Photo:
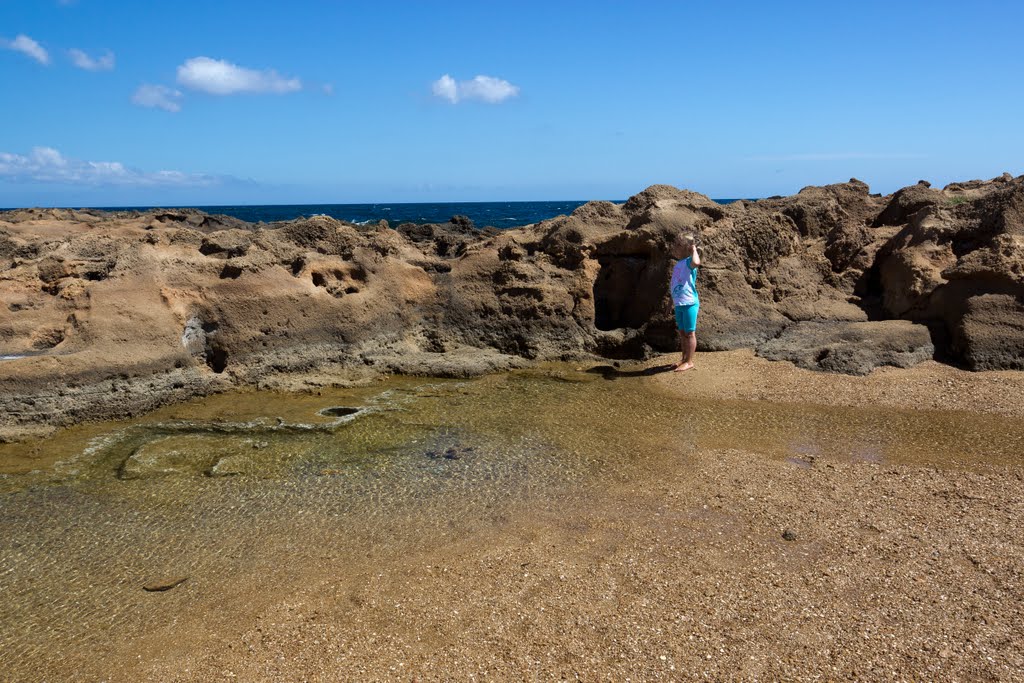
column 47, row 165
column 158, row 96
column 84, row 61
column 483, row 88
column 219, row 77
column 27, row 46
column 836, row 156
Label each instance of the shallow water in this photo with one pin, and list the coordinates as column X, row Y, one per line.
column 246, row 495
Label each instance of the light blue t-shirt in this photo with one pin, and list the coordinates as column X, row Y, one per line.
column 684, row 284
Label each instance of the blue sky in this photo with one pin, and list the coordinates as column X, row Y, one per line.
column 121, row 102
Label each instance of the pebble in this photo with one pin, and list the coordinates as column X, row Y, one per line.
column 164, row 584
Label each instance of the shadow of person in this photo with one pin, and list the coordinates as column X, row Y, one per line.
column 611, row 373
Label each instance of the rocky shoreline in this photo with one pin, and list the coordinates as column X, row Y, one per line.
column 106, row 315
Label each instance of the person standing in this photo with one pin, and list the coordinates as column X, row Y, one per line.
column 686, row 302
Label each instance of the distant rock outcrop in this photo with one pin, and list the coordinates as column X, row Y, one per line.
column 118, row 312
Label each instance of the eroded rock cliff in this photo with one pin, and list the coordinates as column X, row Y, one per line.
column 113, row 313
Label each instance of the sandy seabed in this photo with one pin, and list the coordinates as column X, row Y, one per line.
column 701, row 563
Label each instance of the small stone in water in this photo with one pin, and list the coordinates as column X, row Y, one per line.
column 162, row 585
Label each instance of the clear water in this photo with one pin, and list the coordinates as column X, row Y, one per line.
column 248, row 495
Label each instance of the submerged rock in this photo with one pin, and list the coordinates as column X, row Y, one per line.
column 163, row 584
column 184, row 454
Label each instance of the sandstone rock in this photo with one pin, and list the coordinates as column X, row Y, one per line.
column 129, row 310
column 845, row 246
column 462, row 222
column 851, row 348
column 733, row 314
column 195, row 219
column 911, row 276
column 816, row 210
column 961, row 266
column 907, row 202
column 989, row 335
column 226, row 244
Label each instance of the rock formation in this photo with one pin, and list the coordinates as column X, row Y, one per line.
column 114, row 313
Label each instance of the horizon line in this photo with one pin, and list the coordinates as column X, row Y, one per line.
column 129, row 207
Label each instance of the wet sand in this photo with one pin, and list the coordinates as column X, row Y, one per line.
column 927, row 386
column 894, row 573
column 745, row 521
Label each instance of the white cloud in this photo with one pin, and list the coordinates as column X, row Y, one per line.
column 445, row 87
column 84, row 61
column 219, row 77
column 484, row 88
column 47, row 165
column 159, row 96
column 27, row 46
column 488, row 89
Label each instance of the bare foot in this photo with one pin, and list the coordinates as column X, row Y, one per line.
column 683, row 367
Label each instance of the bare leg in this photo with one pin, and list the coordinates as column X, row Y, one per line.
column 682, row 349
column 688, row 341
column 691, row 346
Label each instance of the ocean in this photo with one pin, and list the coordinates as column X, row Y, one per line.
column 496, row 214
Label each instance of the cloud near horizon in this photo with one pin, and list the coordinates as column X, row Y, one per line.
column 27, row 46
column 220, row 77
column 483, row 88
column 47, row 165
column 157, row 96
column 84, row 61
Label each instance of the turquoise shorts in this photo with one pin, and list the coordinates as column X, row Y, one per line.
column 686, row 317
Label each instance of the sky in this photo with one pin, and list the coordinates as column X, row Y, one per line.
column 120, row 102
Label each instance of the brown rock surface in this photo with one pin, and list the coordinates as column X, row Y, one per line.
column 853, row 348
column 116, row 313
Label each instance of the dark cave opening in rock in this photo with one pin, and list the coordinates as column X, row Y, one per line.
column 216, row 358
column 629, row 291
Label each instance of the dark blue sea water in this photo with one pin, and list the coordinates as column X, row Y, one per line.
column 497, row 214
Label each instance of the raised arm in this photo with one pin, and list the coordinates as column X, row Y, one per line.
column 694, row 257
